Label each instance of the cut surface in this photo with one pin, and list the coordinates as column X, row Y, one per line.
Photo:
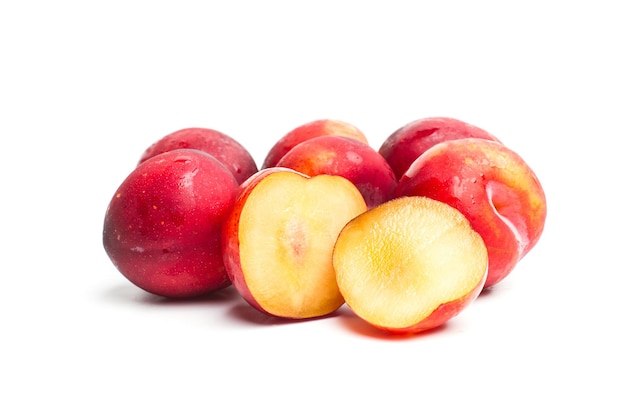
column 287, row 231
column 398, row 263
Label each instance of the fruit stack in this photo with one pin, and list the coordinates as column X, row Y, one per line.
column 406, row 236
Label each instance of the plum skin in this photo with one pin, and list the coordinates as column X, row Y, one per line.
column 407, row 143
column 349, row 158
column 311, row 130
column 219, row 145
column 493, row 187
column 162, row 227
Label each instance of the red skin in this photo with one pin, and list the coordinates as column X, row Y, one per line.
column 162, row 227
column 406, row 144
column 352, row 159
column 302, row 133
column 441, row 314
column 224, row 148
column 230, row 236
column 493, row 187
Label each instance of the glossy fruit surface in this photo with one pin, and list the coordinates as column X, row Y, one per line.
column 221, row 146
column 310, row 130
column 493, row 187
column 406, row 144
column 346, row 157
column 162, row 226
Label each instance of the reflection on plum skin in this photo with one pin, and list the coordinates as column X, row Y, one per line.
column 131, row 294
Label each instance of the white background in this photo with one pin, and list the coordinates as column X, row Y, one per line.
column 85, row 88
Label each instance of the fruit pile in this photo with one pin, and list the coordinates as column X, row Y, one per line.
column 406, row 236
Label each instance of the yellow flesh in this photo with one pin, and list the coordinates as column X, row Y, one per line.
column 398, row 262
column 287, row 231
